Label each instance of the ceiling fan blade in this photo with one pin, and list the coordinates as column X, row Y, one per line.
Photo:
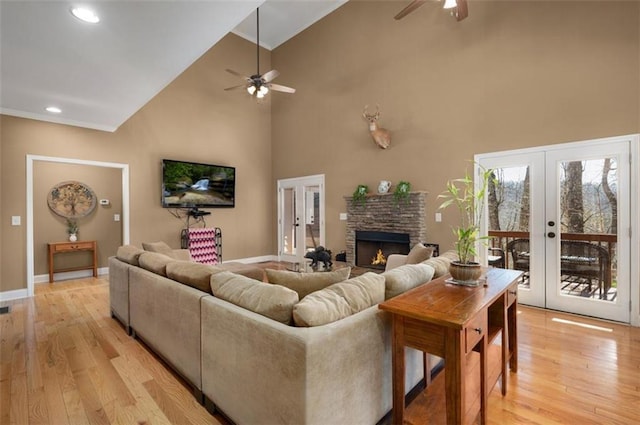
column 284, row 89
column 270, row 76
column 461, row 10
column 237, row 74
column 236, row 87
column 410, row 8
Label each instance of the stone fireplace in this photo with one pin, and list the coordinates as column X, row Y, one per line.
column 381, row 224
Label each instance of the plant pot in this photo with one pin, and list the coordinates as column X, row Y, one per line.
column 465, row 273
column 73, row 237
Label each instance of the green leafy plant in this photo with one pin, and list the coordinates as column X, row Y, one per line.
column 360, row 194
column 72, row 226
column 401, row 193
column 470, row 201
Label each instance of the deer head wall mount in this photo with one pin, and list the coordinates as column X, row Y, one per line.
column 380, row 135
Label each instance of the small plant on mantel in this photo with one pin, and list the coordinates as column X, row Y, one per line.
column 360, row 194
column 402, row 192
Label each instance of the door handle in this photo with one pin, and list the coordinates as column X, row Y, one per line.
column 552, row 223
column 551, row 235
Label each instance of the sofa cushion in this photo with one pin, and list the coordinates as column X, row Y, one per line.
column 195, row 275
column 306, row 283
column 155, row 262
column 129, row 254
column 339, row 300
column 441, row 263
column 273, row 301
column 159, row 247
column 403, row 278
column 247, row 270
column 419, row 253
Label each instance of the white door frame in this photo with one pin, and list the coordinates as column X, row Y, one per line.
column 125, row 204
column 299, row 182
column 634, row 208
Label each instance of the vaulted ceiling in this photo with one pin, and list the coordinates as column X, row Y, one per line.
column 100, row 74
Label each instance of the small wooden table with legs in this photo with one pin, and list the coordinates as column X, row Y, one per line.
column 62, row 247
column 451, row 321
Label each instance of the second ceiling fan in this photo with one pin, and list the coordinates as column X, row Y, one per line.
column 458, row 8
column 258, row 85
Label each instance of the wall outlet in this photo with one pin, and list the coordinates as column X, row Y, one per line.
column 343, row 216
column 116, row 217
column 15, row 220
column 438, row 217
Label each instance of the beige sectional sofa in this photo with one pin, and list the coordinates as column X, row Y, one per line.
column 238, row 346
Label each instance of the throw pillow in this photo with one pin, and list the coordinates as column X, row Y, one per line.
column 129, row 254
column 419, row 253
column 159, row 247
column 192, row 274
column 306, row 283
column 339, row 300
column 154, row 262
column 273, row 301
column 406, row 277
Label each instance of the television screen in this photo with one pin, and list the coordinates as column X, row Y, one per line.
column 194, row 185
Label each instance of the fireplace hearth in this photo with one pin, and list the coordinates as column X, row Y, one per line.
column 373, row 248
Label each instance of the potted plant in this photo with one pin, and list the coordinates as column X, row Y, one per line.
column 72, row 229
column 470, row 201
column 401, row 193
column 360, row 194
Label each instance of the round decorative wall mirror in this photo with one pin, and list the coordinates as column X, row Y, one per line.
column 71, row 199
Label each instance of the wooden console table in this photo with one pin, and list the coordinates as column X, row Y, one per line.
column 62, row 247
column 451, row 321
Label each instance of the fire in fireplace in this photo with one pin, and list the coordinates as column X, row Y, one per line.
column 373, row 248
column 379, row 259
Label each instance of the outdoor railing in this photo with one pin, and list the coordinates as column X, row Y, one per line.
column 500, row 239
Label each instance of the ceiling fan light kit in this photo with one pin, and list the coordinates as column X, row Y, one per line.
column 458, row 8
column 258, row 85
column 449, row 4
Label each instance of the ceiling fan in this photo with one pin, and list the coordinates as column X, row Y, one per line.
column 258, row 85
column 458, row 8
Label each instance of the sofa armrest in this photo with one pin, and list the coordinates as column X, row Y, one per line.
column 395, row 260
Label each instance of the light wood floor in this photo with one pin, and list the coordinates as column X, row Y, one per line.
column 63, row 360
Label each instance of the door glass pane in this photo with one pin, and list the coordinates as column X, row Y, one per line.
column 289, row 221
column 509, row 212
column 588, row 213
column 312, row 211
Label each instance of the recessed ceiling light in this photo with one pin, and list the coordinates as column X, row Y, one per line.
column 85, row 15
column 53, row 109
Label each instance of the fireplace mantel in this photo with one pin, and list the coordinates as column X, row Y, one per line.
column 380, row 213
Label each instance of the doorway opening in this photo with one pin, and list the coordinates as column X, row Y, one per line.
column 31, row 159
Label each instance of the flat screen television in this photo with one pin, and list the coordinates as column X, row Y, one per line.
column 196, row 185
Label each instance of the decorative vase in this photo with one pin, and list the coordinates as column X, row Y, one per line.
column 73, row 237
column 384, row 186
column 467, row 274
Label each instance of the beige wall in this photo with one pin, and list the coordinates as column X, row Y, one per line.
column 193, row 118
column 512, row 75
column 106, row 183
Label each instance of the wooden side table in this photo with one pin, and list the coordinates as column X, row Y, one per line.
column 451, row 321
column 62, row 247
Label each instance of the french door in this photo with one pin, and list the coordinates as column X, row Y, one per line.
column 561, row 214
column 300, row 216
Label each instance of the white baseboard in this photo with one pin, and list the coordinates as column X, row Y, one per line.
column 79, row 274
column 13, row 295
column 250, row 260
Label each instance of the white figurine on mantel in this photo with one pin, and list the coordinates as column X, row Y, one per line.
column 384, row 186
